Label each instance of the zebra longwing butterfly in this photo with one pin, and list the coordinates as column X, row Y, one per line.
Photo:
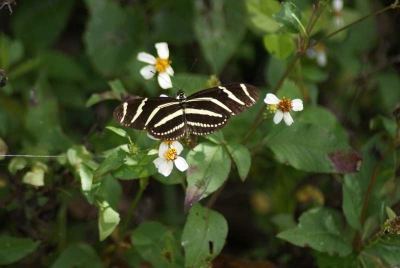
column 201, row 113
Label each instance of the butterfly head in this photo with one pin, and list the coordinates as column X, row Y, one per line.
column 181, row 95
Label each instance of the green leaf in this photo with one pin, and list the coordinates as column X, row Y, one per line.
column 78, row 255
column 289, row 16
column 209, row 167
column 10, row 51
column 108, row 220
column 63, row 67
column 216, row 137
column 12, row 249
column 136, row 166
column 321, row 116
column 386, row 250
column 260, row 13
column 219, row 29
column 17, row 163
column 381, row 122
column 327, row 261
column 111, row 163
column 312, row 148
column 352, row 202
column 274, row 70
column 118, row 88
column 280, row 46
column 110, row 36
column 203, row 236
column 86, row 175
column 3, row 149
column 314, row 73
column 110, row 190
column 49, row 20
column 320, row 229
column 34, row 177
column 78, row 154
column 242, row 158
column 118, row 131
column 156, row 244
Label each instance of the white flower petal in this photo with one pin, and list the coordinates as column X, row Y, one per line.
column 297, row 105
column 288, row 118
column 166, row 168
column 162, row 149
column 337, row 5
column 170, row 71
column 338, row 21
column 181, row 164
column 164, row 95
column 159, row 161
column 278, row 117
column 164, row 80
column 178, row 146
column 271, row 99
column 321, row 58
column 146, row 57
column 162, row 50
column 148, row 71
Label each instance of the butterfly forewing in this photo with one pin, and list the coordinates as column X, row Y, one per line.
column 201, row 113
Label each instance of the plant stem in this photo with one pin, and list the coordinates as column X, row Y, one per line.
column 143, row 184
column 391, row 6
column 357, row 238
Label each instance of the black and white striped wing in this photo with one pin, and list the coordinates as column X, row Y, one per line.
column 161, row 117
column 209, row 110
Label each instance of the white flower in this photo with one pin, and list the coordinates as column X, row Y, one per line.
column 168, row 154
column 282, row 107
column 318, row 52
column 160, row 64
column 337, row 13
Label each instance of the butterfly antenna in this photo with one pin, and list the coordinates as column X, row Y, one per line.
column 191, row 68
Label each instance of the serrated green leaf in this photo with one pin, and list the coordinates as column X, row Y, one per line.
column 156, row 244
column 209, row 167
column 242, row 158
column 320, row 229
column 219, row 29
column 108, row 220
column 216, row 137
column 279, row 46
column 312, row 148
column 12, row 249
column 78, row 255
column 203, row 236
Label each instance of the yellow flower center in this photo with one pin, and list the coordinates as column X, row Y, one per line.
column 171, row 154
column 162, row 64
column 285, row 105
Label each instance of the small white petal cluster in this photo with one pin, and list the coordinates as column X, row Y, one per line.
column 337, row 13
column 318, row 52
column 283, row 107
column 160, row 65
column 168, row 155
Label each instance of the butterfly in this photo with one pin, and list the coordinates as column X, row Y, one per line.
column 201, row 113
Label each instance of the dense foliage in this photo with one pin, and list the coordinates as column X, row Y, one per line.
column 78, row 190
